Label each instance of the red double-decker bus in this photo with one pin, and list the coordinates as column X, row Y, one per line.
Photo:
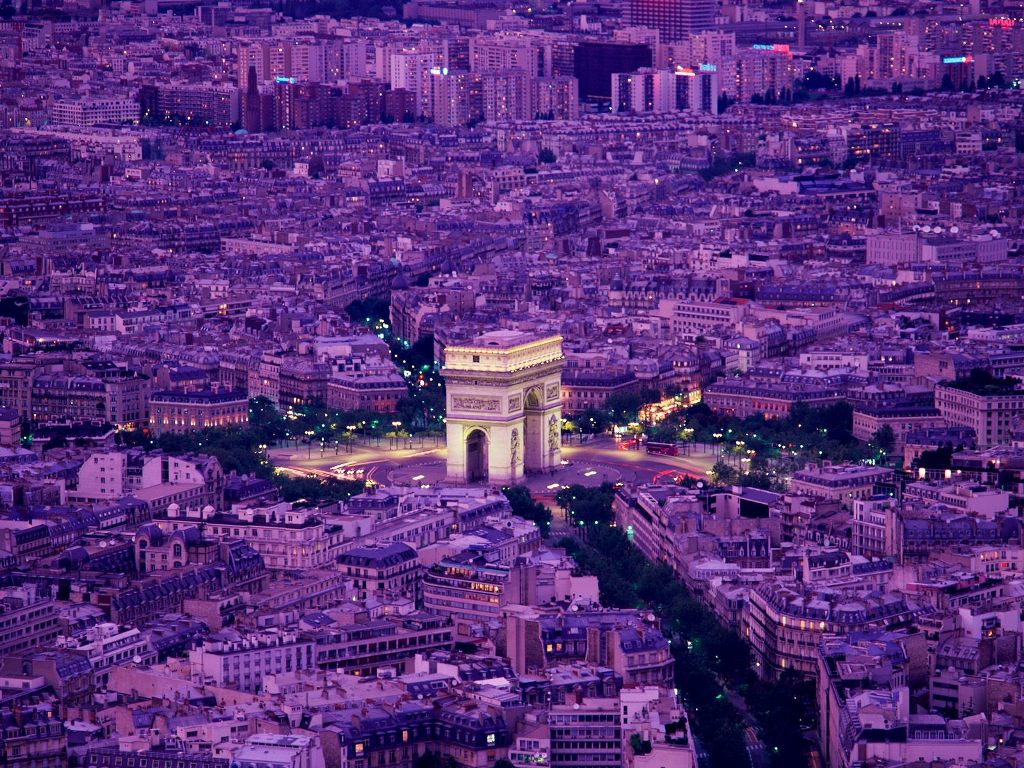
column 665, row 449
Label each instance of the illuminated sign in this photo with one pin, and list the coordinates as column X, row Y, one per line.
column 773, row 47
column 1002, row 23
column 957, row 59
column 708, row 68
column 685, row 72
column 439, row 70
column 289, row 80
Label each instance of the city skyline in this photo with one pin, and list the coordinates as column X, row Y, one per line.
column 511, row 384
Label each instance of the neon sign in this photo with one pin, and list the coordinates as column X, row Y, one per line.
column 1001, row 22
column 773, row 47
column 708, row 68
column 957, row 59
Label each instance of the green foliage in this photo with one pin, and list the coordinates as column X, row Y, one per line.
column 723, row 473
column 318, row 491
column 57, row 441
column 940, row 458
column 730, row 163
column 546, row 156
column 237, row 449
column 884, row 438
column 243, row 450
column 980, row 382
column 423, row 409
column 368, row 311
column 708, row 656
column 524, row 506
column 16, row 307
column 592, row 421
column 590, row 506
column 266, row 421
column 814, row 80
column 629, row 406
column 639, row 746
column 623, row 406
column 807, row 434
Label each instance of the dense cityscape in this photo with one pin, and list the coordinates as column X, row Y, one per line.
column 511, row 383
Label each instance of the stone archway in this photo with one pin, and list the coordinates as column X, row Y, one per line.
column 534, row 431
column 507, row 385
column 476, row 456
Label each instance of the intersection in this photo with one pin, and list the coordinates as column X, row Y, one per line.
column 592, row 463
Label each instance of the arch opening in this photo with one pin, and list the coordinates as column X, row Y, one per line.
column 476, row 456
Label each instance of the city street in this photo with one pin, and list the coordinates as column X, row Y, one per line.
column 597, row 461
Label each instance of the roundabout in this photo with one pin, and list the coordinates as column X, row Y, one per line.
column 598, row 461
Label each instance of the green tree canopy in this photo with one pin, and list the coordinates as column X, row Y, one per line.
column 524, row 505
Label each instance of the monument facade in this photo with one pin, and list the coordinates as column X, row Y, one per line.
column 504, row 406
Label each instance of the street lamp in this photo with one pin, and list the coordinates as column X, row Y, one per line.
column 351, row 428
column 396, row 425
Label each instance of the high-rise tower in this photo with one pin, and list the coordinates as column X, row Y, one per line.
column 674, row 19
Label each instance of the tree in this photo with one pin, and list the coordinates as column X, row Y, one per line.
column 546, row 156
column 316, row 490
column 265, row 420
column 368, row 310
column 16, row 307
column 638, row 745
column 940, row 458
column 814, row 81
column 524, row 506
column 884, row 438
column 623, row 406
column 57, row 441
column 589, row 506
column 723, row 473
column 503, row 763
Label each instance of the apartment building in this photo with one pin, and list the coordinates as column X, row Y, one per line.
column 238, row 661
column 586, row 734
column 287, row 538
column 838, row 482
column 467, row 590
column 876, row 528
column 784, row 623
column 391, row 642
column 990, row 411
column 27, row 619
column 382, row 569
column 774, row 399
column 178, row 412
